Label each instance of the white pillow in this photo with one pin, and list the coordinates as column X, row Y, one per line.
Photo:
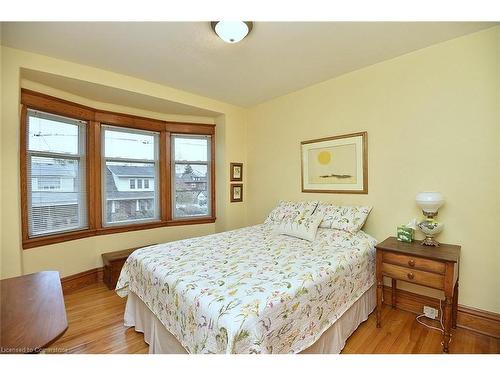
column 287, row 210
column 348, row 218
column 302, row 226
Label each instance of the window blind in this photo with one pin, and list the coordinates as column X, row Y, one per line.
column 57, row 199
column 191, row 184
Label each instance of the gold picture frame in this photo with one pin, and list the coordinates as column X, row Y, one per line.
column 236, row 171
column 337, row 164
column 236, row 193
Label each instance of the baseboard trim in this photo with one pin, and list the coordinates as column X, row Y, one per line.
column 480, row 321
column 79, row 280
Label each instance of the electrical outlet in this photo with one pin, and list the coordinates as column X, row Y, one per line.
column 430, row 312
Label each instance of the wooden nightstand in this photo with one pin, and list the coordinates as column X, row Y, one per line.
column 434, row 267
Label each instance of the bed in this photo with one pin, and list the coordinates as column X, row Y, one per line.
column 250, row 291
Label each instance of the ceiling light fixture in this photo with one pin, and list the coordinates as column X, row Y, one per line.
column 232, row 31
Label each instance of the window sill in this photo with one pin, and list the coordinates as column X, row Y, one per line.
column 70, row 236
column 190, row 221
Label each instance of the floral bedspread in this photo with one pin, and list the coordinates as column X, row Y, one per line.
column 251, row 290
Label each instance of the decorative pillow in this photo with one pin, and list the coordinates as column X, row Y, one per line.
column 287, row 210
column 348, row 218
column 303, row 225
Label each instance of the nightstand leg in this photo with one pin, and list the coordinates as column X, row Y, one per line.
column 393, row 293
column 380, row 291
column 380, row 286
column 447, row 314
column 455, row 306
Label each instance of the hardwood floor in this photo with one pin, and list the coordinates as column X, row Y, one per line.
column 95, row 324
column 402, row 334
column 95, row 317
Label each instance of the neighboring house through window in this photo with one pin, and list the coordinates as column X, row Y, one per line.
column 48, row 183
column 191, row 155
column 130, row 155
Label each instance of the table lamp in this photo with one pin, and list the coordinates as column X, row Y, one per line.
column 429, row 202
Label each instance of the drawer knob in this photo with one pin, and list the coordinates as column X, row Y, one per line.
column 411, row 263
column 410, row 275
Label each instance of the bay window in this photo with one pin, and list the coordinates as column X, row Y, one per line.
column 87, row 172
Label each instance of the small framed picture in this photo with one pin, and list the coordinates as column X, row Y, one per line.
column 236, row 192
column 236, row 172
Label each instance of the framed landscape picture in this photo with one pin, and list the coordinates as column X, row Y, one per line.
column 336, row 164
column 236, row 192
column 236, row 172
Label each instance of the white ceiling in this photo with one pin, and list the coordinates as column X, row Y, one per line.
column 275, row 59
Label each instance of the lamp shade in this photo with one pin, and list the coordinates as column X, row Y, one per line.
column 430, row 201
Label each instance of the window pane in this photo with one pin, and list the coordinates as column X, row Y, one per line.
column 130, row 204
column 128, row 145
column 52, row 134
column 191, row 148
column 191, row 196
column 57, row 200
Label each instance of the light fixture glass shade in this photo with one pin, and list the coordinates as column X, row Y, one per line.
column 232, row 31
column 430, row 201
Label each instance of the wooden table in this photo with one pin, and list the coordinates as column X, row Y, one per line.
column 433, row 267
column 32, row 312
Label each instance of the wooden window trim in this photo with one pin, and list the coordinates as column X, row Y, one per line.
column 57, row 106
column 95, row 119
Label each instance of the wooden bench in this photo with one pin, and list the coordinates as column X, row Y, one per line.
column 113, row 263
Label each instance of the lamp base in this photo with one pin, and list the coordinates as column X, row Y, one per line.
column 429, row 241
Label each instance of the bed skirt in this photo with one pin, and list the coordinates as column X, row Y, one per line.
column 332, row 341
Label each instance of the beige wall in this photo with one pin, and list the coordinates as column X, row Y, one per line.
column 80, row 255
column 433, row 123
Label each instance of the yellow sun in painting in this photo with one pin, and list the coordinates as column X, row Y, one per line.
column 324, row 157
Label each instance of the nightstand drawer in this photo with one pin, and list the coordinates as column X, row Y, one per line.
column 414, row 262
column 432, row 280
